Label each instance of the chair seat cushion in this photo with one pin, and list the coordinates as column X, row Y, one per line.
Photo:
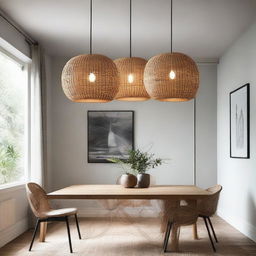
column 59, row 212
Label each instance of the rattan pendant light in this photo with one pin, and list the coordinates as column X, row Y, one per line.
column 131, row 71
column 171, row 76
column 90, row 77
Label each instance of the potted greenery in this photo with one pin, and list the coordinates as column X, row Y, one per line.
column 8, row 163
column 139, row 163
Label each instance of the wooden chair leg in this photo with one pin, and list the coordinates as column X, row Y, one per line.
column 34, row 234
column 195, row 233
column 169, row 227
column 42, row 232
column 69, row 238
column 213, row 231
column 209, row 234
column 77, row 225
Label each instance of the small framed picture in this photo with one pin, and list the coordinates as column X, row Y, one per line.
column 110, row 135
column 239, row 101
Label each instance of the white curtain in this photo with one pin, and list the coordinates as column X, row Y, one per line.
column 36, row 138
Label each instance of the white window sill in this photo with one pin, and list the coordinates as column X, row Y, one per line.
column 10, row 187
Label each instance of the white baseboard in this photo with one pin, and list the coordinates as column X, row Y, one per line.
column 10, row 233
column 240, row 224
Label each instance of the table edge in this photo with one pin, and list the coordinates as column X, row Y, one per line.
column 148, row 197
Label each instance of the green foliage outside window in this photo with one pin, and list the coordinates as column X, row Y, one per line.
column 12, row 120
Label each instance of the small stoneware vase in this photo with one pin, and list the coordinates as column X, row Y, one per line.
column 143, row 180
column 128, row 180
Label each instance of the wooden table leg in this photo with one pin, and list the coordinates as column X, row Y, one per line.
column 43, row 228
column 195, row 234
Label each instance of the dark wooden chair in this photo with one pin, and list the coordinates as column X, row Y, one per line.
column 42, row 210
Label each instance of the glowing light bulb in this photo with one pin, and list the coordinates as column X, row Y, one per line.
column 92, row 78
column 172, row 75
column 130, row 78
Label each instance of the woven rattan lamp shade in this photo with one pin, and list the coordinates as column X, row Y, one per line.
column 131, row 71
column 181, row 87
column 79, row 86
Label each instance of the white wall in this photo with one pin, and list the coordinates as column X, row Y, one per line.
column 206, row 127
column 237, row 176
column 14, row 213
column 167, row 127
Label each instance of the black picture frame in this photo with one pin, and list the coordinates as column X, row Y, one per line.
column 92, row 137
column 233, row 135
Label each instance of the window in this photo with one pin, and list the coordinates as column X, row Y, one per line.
column 13, row 119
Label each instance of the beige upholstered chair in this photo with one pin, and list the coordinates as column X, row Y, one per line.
column 180, row 216
column 207, row 208
column 42, row 210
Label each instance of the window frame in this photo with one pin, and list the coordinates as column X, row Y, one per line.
column 25, row 65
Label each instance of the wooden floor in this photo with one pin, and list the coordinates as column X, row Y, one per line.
column 129, row 237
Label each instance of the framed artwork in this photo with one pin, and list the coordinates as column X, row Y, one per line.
column 110, row 135
column 239, row 101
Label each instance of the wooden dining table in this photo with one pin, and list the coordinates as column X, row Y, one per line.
column 168, row 193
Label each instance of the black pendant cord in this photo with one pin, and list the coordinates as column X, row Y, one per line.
column 90, row 26
column 171, row 25
column 130, row 28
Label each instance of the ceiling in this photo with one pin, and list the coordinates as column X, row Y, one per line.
column 201, row 28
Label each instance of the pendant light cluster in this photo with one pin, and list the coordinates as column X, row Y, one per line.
column 96, row 78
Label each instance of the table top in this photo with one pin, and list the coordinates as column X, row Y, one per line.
column 105, row 191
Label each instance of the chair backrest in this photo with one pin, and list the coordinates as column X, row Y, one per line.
column 208, row 206
column 37, row 199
